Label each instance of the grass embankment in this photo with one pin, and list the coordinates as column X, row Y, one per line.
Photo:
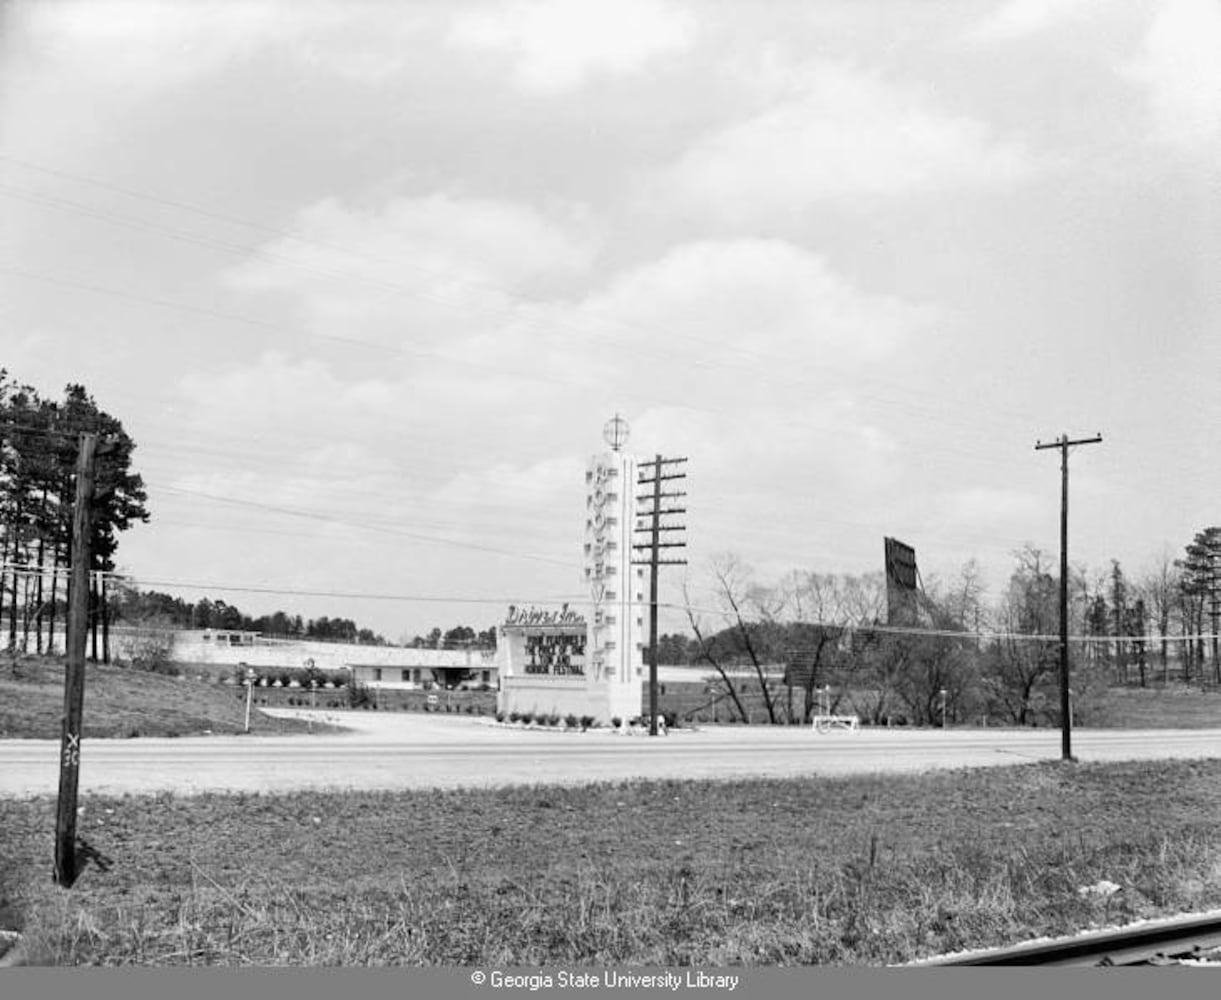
column 861, row 871
column 121, row 702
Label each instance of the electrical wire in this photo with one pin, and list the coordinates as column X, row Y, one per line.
column 840, row 628
column 779, row 365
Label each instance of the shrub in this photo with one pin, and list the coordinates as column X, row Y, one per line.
column 165, row 669
column 616, row 722
column 527, row 718
column 571, row 721
column 515, row 716
column 500, row 716
column 587, row 721
column 358, row 696
column 553, row 719
column 148, row 646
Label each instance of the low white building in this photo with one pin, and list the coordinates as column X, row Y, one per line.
column 401, row 667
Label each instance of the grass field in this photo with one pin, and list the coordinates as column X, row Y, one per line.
column 121, row 703
column 1175, row 706
column 861, row 871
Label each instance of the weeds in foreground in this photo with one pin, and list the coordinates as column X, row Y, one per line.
column 862, row 871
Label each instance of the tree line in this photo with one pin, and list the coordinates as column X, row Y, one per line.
column 39, row 444
column 815, row 641
column 458, row 637
column 167, row 611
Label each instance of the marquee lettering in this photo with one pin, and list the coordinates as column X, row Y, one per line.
column 534, row 616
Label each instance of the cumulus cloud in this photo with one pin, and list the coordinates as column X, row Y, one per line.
column 146, row 42
column 838, row 132
column 556, row 45
column 685, row 344
column 990, row 507
column 150, row 44
column 733, row 300
column 1022, row 18
column 272, row 391
column 432, row 266
column 748, row 320
column 1180, row 68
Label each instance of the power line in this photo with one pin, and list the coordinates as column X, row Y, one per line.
column 530, row 374
column 934, row 410
column 840, row 628
column 351, row 595
column 371, row 527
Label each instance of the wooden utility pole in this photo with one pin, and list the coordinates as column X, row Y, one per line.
column 653, row 546
column 74, row 666
column 1066, row 721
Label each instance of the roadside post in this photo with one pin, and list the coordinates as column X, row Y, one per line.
column 943, row 708
column 249, row 694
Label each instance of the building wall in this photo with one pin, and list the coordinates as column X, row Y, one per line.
column 547, row 696
column 410, row 678
column 257, row 651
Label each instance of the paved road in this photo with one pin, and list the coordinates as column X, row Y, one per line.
column 418, row 751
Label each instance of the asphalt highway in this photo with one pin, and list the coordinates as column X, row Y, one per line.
column 423, row 751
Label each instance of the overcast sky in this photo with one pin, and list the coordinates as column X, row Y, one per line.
column 364, row 281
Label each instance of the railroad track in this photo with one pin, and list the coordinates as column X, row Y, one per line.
column 1161, row 942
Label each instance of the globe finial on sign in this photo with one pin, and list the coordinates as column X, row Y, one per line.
column 615, row 432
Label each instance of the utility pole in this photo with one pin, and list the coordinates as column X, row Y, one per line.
column 74, row 666
column 1066, row 723
column 654, row 546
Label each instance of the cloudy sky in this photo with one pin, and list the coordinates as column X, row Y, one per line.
column 364, row 281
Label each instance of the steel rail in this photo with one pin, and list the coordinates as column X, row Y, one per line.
column 1161, row 942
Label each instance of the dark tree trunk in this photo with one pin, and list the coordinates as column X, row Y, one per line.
column 38, row 590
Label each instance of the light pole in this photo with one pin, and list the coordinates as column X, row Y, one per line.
column 943, row 708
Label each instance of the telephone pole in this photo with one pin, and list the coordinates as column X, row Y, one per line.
column 1066, row 721
column 74, row 666
column 654, row 546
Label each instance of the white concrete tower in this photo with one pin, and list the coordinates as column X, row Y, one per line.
column 614, row 654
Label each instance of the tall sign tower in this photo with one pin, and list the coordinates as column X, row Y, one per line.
column 902, row 583
column 558, row 662
column 616, row 586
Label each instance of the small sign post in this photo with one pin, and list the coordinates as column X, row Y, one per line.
column 249, row 694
